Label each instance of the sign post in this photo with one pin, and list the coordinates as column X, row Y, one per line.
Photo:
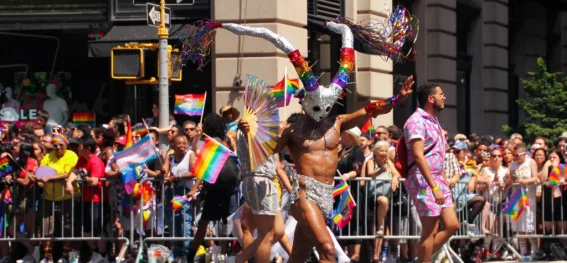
column 153, row 15
column 163, row 34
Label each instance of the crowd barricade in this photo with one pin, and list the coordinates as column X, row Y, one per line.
column 152, row 221
column 27, row 217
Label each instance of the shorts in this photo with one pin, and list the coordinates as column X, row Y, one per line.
column 54, row 213
column 93, row 218
column 217, row 204
column 423, row 196
column 261, row 195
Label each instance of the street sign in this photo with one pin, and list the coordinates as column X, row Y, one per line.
column 167, row 2
column 153, row 15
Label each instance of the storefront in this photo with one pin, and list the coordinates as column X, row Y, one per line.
column 52, row 41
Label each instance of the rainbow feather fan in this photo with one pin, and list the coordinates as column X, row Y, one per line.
column 391, row 38
column 261, row 112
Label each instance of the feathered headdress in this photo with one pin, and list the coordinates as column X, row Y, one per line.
column 316, row 100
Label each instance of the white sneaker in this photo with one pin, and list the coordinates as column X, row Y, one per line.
column 95, row 257
column 36, row 254
column 62, row 260
column 43, row 260
column 28, row 259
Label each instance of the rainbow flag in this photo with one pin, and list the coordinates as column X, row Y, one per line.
column 189, row 104
column 5, row 166
column 340, row 188
column 140, row 128
column 88, row 118
column 284, row 90
column 369, row 128
column 128, row 159
column 210, row 160
column 553, row 180
column 179, row 201
column 342, row 215
column 129, row 139
column 517, row 204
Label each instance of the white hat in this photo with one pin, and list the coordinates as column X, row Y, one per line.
column 355, row 132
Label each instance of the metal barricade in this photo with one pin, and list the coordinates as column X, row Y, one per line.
column 400, row 225
column 28, row 217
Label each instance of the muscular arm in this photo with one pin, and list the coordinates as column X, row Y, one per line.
column 284, row 179
column 283, row 139
column 417, row 148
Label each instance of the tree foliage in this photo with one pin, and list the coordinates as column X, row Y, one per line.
column 544, row 105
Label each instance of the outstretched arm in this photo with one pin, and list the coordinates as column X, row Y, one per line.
column 374, row 109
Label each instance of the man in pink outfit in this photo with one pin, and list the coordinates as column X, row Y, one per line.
column 426, row 179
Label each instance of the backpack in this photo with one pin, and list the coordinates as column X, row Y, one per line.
column 402, row 157
column 555, row 250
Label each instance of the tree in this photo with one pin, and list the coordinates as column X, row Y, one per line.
column 544, row 106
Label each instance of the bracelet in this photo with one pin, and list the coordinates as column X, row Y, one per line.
column 376, row 106
column 435, row 188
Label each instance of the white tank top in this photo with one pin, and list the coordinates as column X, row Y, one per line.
column 496, row 177
column 522, row 171
column 182, row 167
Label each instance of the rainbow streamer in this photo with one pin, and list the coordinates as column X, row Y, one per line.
column 284, row 90
column 5, row 166
column 189, row 104
column 210, row 160
column 342, row 215
column 517, row 204
column 369, row 128
column 179, row 201
column 140, row 129
column 340, row 188
column 88, row 118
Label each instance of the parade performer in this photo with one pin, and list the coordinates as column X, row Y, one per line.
column 313, row 138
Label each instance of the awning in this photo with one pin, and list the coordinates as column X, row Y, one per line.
column 122, row 34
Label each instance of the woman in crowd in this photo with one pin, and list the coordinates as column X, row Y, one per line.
column 23, row 195
column 554, row 208
column 494, row 178
column 524, row 171
column 351, row 159
column 381, row 168
column 508, row 156
column 464, row 194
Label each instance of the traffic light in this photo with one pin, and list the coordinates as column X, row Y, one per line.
column 127, row 63
column 139, row 63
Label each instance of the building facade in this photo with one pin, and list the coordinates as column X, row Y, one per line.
column 477, row 50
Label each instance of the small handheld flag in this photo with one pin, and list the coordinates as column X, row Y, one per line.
column 369, row 128
column 284, row 90
column 517, row 204
column 189, row 104
column 179, row 201
column 210, row 160
column 340, row 188
column 5, row 166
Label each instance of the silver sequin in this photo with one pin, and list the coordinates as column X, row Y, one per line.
column 320, row 193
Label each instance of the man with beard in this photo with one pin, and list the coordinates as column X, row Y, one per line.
column 426, row 179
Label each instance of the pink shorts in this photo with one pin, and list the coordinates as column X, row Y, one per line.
column 422, row 195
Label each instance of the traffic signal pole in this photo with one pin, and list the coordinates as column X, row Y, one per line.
column 163, row 35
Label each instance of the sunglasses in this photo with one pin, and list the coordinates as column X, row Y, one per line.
column 58, row 145
column 496, row 156
column 189, row 129
column 519, row 154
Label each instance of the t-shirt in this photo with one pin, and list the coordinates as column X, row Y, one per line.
column 54, row 191
column 31, row 166
column 95, row 169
